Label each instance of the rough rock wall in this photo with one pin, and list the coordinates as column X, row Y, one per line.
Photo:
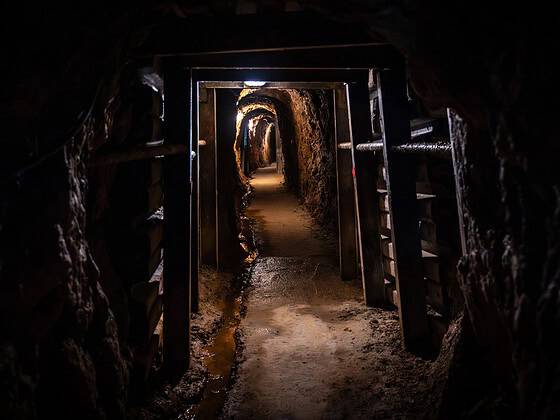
column 305, row 124
column 124, row 198
column 61, row 354
column 510, row 186
column 259, row 152
column 260, row 141
column 316, row 154
column 491, row 65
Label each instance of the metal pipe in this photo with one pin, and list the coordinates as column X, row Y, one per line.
column 376, row 139
column 441, row 149
column 370, row 147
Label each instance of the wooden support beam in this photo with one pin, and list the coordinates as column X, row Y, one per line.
column 401, row 188
column 207, row 183
column 177, row 197
column 457, row 153
column 195, row 242
column 279, row 154
column 365, row 191
column 275, row 78
column 227, row 235
column 139, row 153
column 347, row 251
column 325, row 57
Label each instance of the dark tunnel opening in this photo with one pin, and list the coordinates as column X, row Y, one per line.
column 304, row 118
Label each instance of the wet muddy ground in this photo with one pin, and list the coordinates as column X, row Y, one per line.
column 307, row 346
column 285, row 338
column 200, row 393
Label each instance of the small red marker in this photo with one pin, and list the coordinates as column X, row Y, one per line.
column 353, row 172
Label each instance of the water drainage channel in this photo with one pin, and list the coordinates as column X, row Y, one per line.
column 220, row 362
column 220, row 354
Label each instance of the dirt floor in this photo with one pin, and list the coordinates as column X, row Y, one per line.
column 296, row 342
column 307, row 346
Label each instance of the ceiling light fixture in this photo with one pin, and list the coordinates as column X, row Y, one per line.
column 253, row 83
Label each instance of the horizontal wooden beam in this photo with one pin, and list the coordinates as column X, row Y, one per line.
column 270, row 85
column 276, row 77
column 147, row 152
column 343, row 57
column 141, row 153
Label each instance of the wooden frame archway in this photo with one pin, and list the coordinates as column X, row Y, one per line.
column 345, row 64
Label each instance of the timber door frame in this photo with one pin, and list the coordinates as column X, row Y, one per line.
column 258, row 65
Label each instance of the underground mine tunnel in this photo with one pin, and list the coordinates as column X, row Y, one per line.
column 279, row 209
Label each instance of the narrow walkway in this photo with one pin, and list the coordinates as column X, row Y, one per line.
column 308, row 347
column 284, row 229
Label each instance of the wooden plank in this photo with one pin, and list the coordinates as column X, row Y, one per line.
column 456, row 154
column 228, row 253
column 389, row 267
column 347, row 251
column 401, row 187
column 385, row 218
column 447, row 233
column 279, row 154
column 137, row 153
column 143, row 359
column 145, row 319
column 177, row 198
column 293, row 78
column 365, row 191
column 195, row 241
column 391, row 293
column 154, row 233
column 427, row 229
column 387, row 248
column 358, row 56
column 435, row 296
column 143, row 265
column 207, row 183
column 430, row 264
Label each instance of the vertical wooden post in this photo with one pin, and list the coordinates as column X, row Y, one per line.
column 347, row 252
column 207, row 183
column 177, row 233
column 227, row 236
column 456, row 153
column 279, row 153
column 194, row 201
column 366, row 196
column 401, row 188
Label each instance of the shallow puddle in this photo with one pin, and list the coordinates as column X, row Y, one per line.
column 219, row 361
